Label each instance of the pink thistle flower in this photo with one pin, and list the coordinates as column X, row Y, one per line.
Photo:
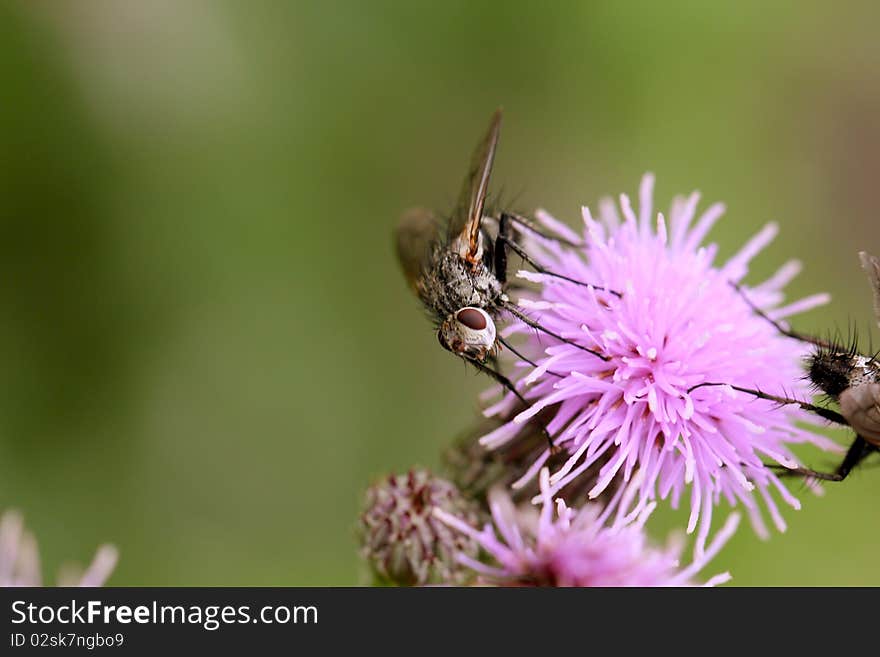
column 678, row 322
column 564, row 547
column 20, row 559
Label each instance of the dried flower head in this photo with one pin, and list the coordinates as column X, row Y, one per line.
column 20, row 559
column 565, row 547
column 404, row 543
column 676, row 321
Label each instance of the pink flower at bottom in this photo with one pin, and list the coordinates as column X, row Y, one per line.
column 565, row 547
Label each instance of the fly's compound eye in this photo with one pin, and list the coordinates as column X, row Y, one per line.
column 469, row 332
column 473, row 318
column 476, row 329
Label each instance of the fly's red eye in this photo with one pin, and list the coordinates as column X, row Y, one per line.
column 472, row 318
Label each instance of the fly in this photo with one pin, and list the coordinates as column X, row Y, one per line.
column 458, row 268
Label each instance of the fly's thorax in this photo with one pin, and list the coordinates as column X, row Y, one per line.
column 834, row 372
column 865, row 370
column 451, row 283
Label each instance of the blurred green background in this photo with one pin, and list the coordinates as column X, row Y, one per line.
column 208, row 351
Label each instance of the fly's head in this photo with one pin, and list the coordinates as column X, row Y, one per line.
column 469, row 332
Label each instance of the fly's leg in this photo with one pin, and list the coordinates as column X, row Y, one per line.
column 519, row 355
column 505, row 239
column 521, row 221
column 514, row 310
column 857, row 452
column 826, row 413
column 803, row 337
column 508, row 384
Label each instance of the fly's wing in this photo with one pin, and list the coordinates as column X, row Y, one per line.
column 414, row 237
column 871, row 265
column 465, row 220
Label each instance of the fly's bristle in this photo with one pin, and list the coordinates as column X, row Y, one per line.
column 854, row 340
column 830, row 369
column 837, row 342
